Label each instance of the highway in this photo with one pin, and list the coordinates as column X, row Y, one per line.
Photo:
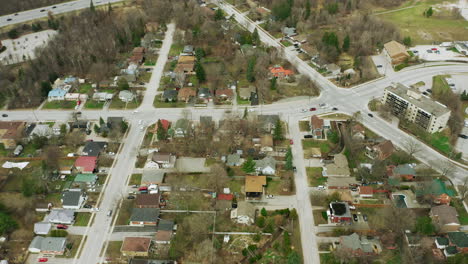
column 42, row 12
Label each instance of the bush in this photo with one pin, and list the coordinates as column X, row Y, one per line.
column 263, row 212
column 260, row 222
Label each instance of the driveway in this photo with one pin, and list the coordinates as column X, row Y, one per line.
column 384, row 67
column 462, row 144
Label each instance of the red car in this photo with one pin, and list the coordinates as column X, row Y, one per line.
column 291, row 142
column 42, row 259
column 143, row 188
column 313, row 109
column 434, row 49
column 60, row 226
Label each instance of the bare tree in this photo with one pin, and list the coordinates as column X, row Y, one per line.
column 51, row 157
column 412, row 146
column 463, row 189
column 218, row 177
column 75, row 138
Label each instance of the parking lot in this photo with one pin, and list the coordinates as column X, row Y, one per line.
column 462, row 144
column 436, row 53
column 22, row 48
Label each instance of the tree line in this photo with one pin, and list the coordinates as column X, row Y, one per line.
column 9, row 7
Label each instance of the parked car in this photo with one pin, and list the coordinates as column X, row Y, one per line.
column 109, row 213
column 434, row 49
column 18, row 150
column 429, row 51
column 321, row 187
column 60, row 226
column 308, row 136
column 8, row 19
column 270, row 196
column 370, row 115
column 42, row 10
column 291, row 142
column 335, row 109
column 143, row 188
column 294, row 169
column 304, row 110
column 463, row 136
column 42, row 259
column 355, row 218
column 429, row 90
column 131, row 197
column 87, row 206
column 379, row 66
column 312, row 109
column 4, row 115
column 364, row 216
column 135, row 186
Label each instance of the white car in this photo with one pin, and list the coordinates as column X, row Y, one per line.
column 71, row 155
column 303, row 110
column 320, row 187
column 250, row 110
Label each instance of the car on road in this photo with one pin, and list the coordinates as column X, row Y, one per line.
column 415, row 51
column 9, row 19
column 131, row 197
column 379, row 66
column 425, row 93
column 429, row 51
column 54, row 7
column 463, row 136
column 304, row 110
column 16, row 14
column 87, row 206
column 4, row 115
column 312, row 109
column 370, row 115
column 109, row 213
column 308, row 136
column 355, row 217
column 364, row 216
column 429, row 90
column 323, row 105
column 42, row 259
column 135, row 186
column 321, row 188
column 269, row 196
column 42, row 10
column 335, row 109
column 294, row 169
column 60, row 226
column 291, row 142
column 434, row 49
column 142, row 83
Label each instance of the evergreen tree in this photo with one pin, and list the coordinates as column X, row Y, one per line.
column 249, row 166
column 346, row 43
column 407, row 41
column 307, row 10
column 273, row 83
column 199, row 53
column 464, row 95
column 255, row 37
column 250, row 70
column 101, row 121
column 200, row 72
column 289, row 160
column 219, row 15
column 263, row 212
column 278, row 131
column 109, row 8
column 161, row 132
column 91, row 6
column 429, row 12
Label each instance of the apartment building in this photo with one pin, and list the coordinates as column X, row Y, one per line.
column 415, row 107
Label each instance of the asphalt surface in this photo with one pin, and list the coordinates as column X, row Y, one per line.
column 42, row 12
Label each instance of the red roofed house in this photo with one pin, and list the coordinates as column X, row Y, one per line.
column 138, row 55
column 225, row 197
column 224, row 94
column 366, row 191
column 86, row 164
column 280, row 73
column 165, row 124
column 316, row 125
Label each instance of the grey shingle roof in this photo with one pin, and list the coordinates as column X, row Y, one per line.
column 71, row 198
column 145, row 214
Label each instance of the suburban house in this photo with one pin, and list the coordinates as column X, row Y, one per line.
column 318, row 126
column 244, row 213
column 163, row 237
column 289, row 31
column 113, row 122
column 126, row 96
column 169, row 95
column 10, row 132
column 204, row 94
column 152, row 177
column 163, row 160
column 93, row 148
column 181, row 127
column 60, row 216
column 339, row 212
column 136, row 246
column 266, row 143
column 366, row 191
column 246, row 92
column 48, row 245
column 187, row 51
column 138, row 55
column 42, row 228
column 415, row 107
column 39, row 130
column 254, row 186
column 102, row 96
column 268, row 122
column 185, row 64
column 86, row 179
column 266, row 166
column 56, row 128
column 358, row 132
column 225, row 94
column 458, row 243
column 147, row 200
column 405, row 172
column 56, row 94
column 73, row 199
column 359, row 246
column 280, row 73
column 395, row 52
column 380, row 151
column 165, row 124
column 185, row 94
column 86, row 164
column 144, row 217
column 338, row 168
column 445, row 218
column 234, row 160
column 440, row 193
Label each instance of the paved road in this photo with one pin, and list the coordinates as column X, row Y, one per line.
column 32, row 14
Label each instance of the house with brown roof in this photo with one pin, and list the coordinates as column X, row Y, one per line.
column 316, row 125
column 163, row 237
column 185, row 94
column 163, row 160
column 266, row 143
column 151, row 27
column 10, row 132
column 395, row 52
column 445, row 218
column 147, row 200
column 138, row 55
column 225, row 94
column 366, row 191
column 380, row 151
column 136, row 246
column 254, row 186
column 358, row 132
column 185, row 64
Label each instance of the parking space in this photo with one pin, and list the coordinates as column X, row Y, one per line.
column 462, row 144
column 384, row 67
column 436, row 53
column 22, row 48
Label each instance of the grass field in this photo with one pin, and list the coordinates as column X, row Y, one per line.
column 119, row 104
column 113, row 249
column 440, row 27
column 85, row 88
column 324, row 145
column 304, row 126
column 91, row 104
column 135, row 179
column 160, row 104
column 82, row 219
column 314, row 174
column 59, row 105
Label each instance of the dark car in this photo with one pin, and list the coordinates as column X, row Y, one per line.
column 131, row 197
column 5, row 115
column 312, row 109
column 308, row 136
column 364, row 217
column 294, row 169
column 371, row 115
column 425, row 93
column 88, row 206
column 429, row 90
column 54, row 7
column 355, row 217
column 142, row 83
column 42, row 10
column 463, row 136
column 8, row 19
column 379, row 66
column 335, row 109
column 16, row 14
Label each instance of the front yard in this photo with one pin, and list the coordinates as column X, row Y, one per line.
column 92, row 104
column 82, row 219
column 314, row 174
column 59, row 105
column 119, row 104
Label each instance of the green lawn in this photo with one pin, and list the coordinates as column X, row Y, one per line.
column 324, row 145
column 314, row 174
column 3, row 152
column 286, row 43
column 441, row 142
column 176, row 49
column 144, row 77
column 113, row 249
column 82, row 219
column 273, row 187
column 85, row 88
column 422, row 30
column 304, row 126
column 92, row 104
column 440, row 86
column 119, row 104
column 59, row 105
column 160, row 104
column 135, row 179
column 462, row 214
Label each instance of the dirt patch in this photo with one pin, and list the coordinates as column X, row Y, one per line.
column 424, row 35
